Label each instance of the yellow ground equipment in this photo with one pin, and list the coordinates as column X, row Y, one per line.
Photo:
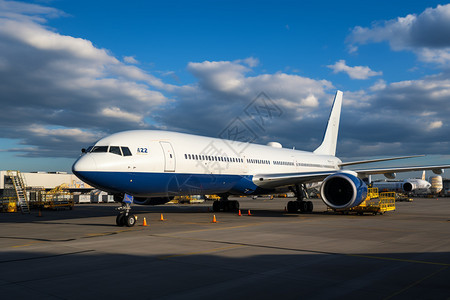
column 8, row 204
column 375, row 203
column 56, row 198
column 190, row 199
column 20, row 190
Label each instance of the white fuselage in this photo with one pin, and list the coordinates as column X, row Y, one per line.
column 197, row 164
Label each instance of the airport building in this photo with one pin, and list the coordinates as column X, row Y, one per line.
column 45, row 180
column 19, row 191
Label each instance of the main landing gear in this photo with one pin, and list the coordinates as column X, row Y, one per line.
column 299, row 204
column 124, row 218
column 225, row 205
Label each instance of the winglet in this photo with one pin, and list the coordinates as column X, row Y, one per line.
column 328, row 146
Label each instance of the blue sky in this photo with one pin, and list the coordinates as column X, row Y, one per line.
column 74, row 71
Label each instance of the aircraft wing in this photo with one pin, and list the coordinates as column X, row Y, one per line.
column 435, row 169
column 287, row 179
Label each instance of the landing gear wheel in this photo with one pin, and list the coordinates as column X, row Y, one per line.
column 216, row 206
column 292, row 206
column 303, row 206
column 232, row 206
column 120, row 220
column 130, row 220
column 309, row 206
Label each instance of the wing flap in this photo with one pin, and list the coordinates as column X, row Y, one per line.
column 376, row 160
column 288, row 179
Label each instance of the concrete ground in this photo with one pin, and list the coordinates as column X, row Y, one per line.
column 81, row 254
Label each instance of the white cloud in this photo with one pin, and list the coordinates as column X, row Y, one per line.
column 357, row 72
column 74, row 133
column 434, row 125
column 427, row 34
column 68, row 93
column 250, row 61
column 379, row 85
column 225, row 89
column 117, row 113
column 60, row 81
column 130, row 60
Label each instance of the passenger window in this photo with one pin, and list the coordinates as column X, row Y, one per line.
column 115, row 150
column 98, row 149
column 126, row 151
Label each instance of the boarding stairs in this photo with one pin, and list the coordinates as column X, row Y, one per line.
column 20, row 188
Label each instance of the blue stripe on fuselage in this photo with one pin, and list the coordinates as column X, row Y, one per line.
column 163, row 184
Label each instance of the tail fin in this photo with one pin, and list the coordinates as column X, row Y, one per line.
column 423, row 175
column 328, row 146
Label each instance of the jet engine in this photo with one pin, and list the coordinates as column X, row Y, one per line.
column 409, row 186
column 343, row 190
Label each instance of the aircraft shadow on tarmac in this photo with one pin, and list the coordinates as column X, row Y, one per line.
column 306, row 274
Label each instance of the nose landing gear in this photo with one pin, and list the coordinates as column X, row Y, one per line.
column 124, row 218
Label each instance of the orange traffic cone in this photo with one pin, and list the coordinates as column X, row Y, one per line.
column 239, row 214
column 214, row 219
column 162, row 218
column 40, row 214
column 145, row 222
column 249, row 213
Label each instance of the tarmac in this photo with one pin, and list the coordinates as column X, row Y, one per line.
column 271, row 254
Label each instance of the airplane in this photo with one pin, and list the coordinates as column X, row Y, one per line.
column 150, row 167
column 410, row 185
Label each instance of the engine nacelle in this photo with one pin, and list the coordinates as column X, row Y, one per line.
column 438, row 171
column 409, row 186
column 343, row 190
column 151, row 201
column 390, row 175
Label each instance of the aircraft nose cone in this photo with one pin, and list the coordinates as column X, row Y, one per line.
column 84, row 164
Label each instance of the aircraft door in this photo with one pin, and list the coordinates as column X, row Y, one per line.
column 169, row 157
column 245, row 170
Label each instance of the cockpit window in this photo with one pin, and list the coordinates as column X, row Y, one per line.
column 126, row 151
column 115, row 150
column 98, row 149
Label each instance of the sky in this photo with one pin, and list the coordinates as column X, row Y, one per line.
column 72, row 72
